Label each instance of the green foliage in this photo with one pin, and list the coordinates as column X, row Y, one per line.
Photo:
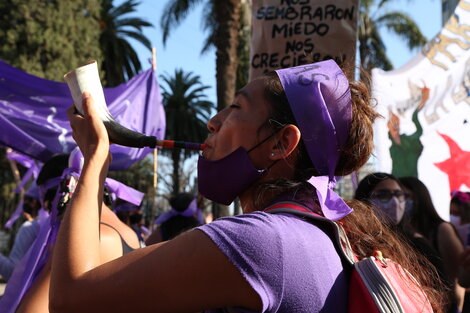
column 176, row 11
column 8, row 199
column 220, row 21
column 140, row 177
column 121, row 62
column 187, row 113
column 243, row 49
column 373, row 17
column 47, row 38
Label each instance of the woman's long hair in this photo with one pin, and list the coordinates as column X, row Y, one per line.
column 365, row 231
column 424, row 216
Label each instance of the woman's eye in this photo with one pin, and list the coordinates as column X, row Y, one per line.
column 234, row 106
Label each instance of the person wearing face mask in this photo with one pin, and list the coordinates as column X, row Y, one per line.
column 460, row 214
column 460, row 208
column 284, row 139
column 441, row 234
column 385, row 194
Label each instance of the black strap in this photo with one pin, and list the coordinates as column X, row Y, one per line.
column 125, row 247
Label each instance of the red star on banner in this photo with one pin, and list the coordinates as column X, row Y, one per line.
column 457, row 167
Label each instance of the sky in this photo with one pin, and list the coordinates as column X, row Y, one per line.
column 185, row 42
column 183, row 47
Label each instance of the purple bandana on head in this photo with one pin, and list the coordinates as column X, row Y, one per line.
column 191, row 210
column 117, row 188
column 126, row 207
column 320, row 99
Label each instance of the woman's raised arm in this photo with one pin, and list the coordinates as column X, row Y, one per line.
column 186, row 274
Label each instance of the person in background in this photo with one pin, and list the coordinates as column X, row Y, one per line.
column 454, row 210
column 25, row 236
column 137, row 223
column 284, row 138
column 116, row 239
column 460, row 207
column 122, row 209
column 441, row 234
column 385, row 193
column 181, row 217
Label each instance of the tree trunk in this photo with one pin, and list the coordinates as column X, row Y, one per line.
column 364, row 70
column 227, row 16
column 364, row 37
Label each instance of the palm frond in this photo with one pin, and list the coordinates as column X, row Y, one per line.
column 139, row 37
column 173, row 14
column 132, row 22
column 121, row 61
column 403, row 26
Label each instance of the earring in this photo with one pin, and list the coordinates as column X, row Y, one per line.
column 273, row 154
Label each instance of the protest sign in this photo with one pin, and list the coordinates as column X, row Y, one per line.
column 426, row 108
column 294, row 32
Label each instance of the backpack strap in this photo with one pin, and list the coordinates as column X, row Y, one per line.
column 340, row 239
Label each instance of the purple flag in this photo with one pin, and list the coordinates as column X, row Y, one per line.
column 34, row 121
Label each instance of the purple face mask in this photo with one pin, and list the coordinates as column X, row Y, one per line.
column 225, row 179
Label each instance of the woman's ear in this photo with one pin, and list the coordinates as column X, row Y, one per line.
column 286, row 140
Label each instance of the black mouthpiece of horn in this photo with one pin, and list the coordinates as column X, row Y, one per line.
column 123, row 136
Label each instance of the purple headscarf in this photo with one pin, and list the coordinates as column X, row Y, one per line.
column 188, row 212
column 320, row 99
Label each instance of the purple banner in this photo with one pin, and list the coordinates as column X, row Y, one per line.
column 33, row 118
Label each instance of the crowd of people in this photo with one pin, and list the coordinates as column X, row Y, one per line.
column 286, row 138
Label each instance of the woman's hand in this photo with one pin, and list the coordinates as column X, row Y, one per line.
column 89, row 132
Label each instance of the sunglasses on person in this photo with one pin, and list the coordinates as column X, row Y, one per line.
column 386, row 195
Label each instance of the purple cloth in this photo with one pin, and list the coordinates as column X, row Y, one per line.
column 126, row 207
column 34, row 121
column 33, row 171
column 30, row 265
column 27, row 270
column 320, row 99
column 25, row 237
column 290, row 263
column 124, row 192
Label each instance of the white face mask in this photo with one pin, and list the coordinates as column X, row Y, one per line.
column 455, row 220
column 391, row 211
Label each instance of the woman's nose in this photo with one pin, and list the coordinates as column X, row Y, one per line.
column 214, row 123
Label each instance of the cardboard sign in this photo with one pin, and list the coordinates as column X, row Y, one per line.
column 288, row 33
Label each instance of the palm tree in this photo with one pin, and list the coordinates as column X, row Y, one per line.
column 372, row 50
column 187, row 112
column 121, row 61
column 221, row 21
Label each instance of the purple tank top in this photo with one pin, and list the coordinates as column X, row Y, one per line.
column 290, row 263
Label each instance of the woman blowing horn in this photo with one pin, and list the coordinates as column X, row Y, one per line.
column 285, row 138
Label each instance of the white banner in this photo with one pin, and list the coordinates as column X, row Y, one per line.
column 425, row 131
column 294, row 32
